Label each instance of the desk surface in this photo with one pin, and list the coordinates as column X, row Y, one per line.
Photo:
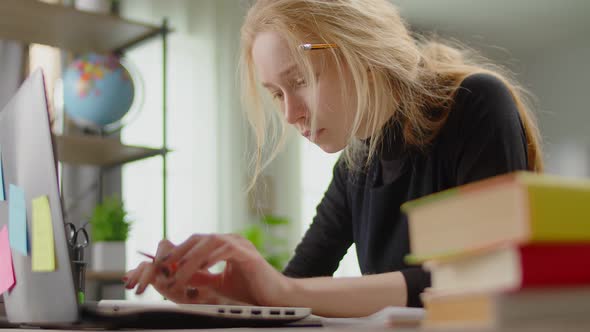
column 359, row 329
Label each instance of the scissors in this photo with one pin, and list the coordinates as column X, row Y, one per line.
column 77, row 238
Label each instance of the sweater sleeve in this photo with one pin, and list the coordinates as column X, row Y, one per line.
column 329, row 236
column 417, row 279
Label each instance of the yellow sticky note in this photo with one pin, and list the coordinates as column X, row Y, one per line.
column 43, row 243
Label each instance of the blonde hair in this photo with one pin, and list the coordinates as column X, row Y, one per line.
column 394, row 73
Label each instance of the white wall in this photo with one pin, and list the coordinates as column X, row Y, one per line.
column 559, row 79
column 316, row 168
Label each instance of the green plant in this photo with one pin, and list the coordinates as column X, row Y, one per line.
column 271, row 247
column 109, row 221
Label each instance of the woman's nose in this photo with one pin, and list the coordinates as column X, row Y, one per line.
column 294, row 109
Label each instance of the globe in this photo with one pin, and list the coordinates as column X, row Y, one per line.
column 97, row 91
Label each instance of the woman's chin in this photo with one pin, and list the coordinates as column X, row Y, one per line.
column 331, row 148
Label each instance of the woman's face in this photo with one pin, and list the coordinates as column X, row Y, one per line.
column 285, row 81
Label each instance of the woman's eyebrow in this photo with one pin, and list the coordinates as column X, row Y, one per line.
column 287, row 72
column 292, row 69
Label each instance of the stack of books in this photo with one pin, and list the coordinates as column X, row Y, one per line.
column 509, row 251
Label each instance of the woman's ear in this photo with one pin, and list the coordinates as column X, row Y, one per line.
column 370, row 76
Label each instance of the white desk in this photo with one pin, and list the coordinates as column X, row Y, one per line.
column 351, row 329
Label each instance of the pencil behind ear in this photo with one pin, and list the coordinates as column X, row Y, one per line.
column 311, row 47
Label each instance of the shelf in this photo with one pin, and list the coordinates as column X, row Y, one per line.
column 100, row 151
column 107, row 276
column 33, row 21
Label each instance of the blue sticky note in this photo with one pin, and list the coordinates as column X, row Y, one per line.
column 2, row 198
column 17, row 220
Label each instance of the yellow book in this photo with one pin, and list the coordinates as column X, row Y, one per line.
column 517, row 208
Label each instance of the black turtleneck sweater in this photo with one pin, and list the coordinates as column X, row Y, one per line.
column 482, row 137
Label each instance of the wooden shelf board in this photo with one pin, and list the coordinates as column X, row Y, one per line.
column 99, row 151
column 113, row 276
column 65, row 27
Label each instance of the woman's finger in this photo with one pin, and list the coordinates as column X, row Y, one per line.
column 220, row 254
column 199, row 253
column 164, row 247
column 175, row 294
column 204, row 278
column 244, row 249
column 174, row 254
column 128, row 276
column 177, row 291
column 147, row 277
column 134, row 275
column 167, row 285
column 194, row 259
column 239, row 249
column 209, row 252
column 161, row 283
column 171, row 268
column 203, row 295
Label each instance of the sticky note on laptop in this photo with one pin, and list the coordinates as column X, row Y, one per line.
column 17, row 220
column 43, row 244
column 2, row 196
column 7, row 279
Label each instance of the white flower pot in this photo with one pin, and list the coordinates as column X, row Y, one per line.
column 97, row 6
column 108, row 256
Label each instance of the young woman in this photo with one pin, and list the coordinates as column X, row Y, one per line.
column 413, row 117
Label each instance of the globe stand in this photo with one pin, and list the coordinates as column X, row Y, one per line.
column 93, row 132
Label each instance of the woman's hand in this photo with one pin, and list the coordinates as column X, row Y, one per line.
column 181, row 274
column 147, row 272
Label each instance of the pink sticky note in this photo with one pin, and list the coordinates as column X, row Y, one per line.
column 6, row 268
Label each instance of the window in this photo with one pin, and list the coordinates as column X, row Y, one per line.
column 192, row 137
column 316, row 175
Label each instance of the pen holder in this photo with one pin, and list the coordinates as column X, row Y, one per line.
column 78, row 239
column 79, row 266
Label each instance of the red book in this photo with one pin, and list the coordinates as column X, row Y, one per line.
column 514, row 267
column 555, row 265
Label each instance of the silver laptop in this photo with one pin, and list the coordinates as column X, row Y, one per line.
column 49, row 298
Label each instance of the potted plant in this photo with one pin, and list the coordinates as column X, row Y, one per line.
column 265, row 236
column 110, row 229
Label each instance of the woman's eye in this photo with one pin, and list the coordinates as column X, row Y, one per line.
column 300, row 82
column 277, row 95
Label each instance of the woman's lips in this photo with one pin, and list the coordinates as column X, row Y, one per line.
column 307, row 133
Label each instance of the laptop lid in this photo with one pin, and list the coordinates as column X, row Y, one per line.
column 29, row 162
